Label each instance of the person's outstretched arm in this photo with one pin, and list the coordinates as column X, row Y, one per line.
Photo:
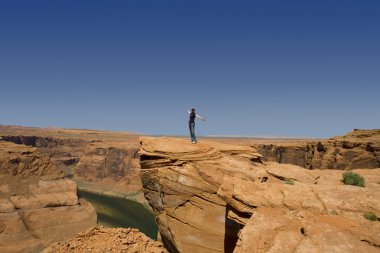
column 198, row 116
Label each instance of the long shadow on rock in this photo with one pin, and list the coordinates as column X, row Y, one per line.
column 232, row 229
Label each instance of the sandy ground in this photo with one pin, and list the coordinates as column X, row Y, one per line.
column 112, row 240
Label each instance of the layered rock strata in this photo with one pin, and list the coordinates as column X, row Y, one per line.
column 357, row 149
column 214, row 197
column 62, row 151
column 100, row 162
column 181, row 181
column 110, row 168
column 38, row 205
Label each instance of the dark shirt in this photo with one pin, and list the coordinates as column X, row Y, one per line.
column 192, row 117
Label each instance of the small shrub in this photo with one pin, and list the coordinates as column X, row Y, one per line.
column 351, row 178
column 370, row 216
column 289, row 181
column 334, row 212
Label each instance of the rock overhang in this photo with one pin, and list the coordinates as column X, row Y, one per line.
column 211, row 180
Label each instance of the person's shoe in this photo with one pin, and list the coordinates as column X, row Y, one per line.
column 193, row 142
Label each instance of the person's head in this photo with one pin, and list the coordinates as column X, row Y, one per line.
column 193, row 109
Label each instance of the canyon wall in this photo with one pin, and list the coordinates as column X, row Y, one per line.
column 216, row 197
column 38, row 205
column 64, row 152
column 358, row 149
column 99, row 164
column 111, row 168
column 209, row 197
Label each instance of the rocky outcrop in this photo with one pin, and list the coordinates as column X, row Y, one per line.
column 214, row 197
column 38, row 205
column 314, row 213
column 181, row 182
column 112, row 240
column 358, row 149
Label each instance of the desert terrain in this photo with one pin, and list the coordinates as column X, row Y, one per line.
column 221, row 195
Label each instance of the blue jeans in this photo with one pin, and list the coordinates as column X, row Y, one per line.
column 192, row 131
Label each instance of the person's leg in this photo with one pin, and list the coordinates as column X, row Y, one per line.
column 192, row 132
column 194, row 139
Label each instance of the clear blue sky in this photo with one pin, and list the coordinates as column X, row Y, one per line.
column 274, row 68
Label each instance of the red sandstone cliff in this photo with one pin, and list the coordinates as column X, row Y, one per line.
column 38, row 205
column 355, row 150
column 215, row 197
column 99, row 161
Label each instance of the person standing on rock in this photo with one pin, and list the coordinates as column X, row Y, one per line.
column 192, row 124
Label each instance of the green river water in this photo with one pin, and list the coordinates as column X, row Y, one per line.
column 122, row 212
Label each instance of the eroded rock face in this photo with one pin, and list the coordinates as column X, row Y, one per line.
column 181, row 181
column 213, row 197
column 111, row 167
column 356, row 150
column 317, row 213
column 38, row 205
column 63, row 152
column 100, row 162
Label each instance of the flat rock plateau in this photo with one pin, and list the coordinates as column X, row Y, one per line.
column 220, row 195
